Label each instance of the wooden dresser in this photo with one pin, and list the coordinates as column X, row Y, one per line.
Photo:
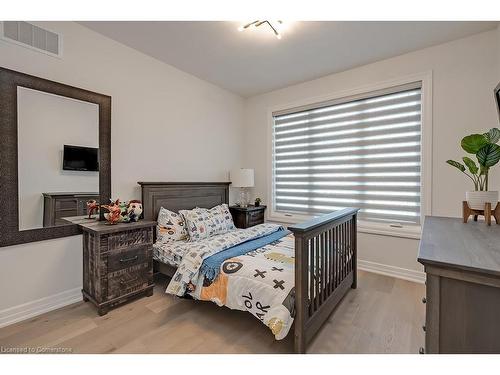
column 246, row 217
column 57, row 206
column 117, row 262
column 462, row 263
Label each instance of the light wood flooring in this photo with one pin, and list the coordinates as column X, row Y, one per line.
column 384, row 315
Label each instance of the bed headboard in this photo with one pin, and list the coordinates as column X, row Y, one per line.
column 177, row 196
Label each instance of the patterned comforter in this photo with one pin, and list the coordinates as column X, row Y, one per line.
column 260, row 282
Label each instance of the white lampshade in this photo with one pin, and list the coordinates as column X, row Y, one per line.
column 241, row 177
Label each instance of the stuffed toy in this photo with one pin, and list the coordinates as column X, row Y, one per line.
column 92, row 206
column 114, row 215
column 134, row 210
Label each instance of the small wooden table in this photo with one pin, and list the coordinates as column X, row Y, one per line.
column 246, row 217
column 117, row 261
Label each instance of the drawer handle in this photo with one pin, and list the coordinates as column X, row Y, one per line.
column 423, row 328
column 129, row 281
column 124, row 260
column 424, row 300
column 421, row 351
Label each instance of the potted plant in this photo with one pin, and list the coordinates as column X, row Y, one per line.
column 487, row 152
column 257, row 202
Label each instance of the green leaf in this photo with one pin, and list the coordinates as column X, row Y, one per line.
column 456, row 164
column 473, row 143
column 489, row 155
column 473, row 168
column 493, row 136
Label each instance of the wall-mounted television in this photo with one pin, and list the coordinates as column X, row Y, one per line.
column 78, row 158
column 497, row 99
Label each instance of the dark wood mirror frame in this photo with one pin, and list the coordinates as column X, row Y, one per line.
column 10, row 80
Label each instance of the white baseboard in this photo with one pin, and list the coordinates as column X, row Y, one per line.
column 384, row 269
column 28, row 310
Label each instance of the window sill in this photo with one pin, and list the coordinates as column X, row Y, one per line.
column 412, row 232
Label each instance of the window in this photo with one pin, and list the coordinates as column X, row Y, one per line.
column 362, row 151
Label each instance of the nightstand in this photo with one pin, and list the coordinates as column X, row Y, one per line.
column 248, row 216
column 117, row 262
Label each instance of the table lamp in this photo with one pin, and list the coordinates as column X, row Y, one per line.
column 242, row 178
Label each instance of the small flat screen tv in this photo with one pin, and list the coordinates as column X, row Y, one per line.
column 497, row 99
column 78, row 158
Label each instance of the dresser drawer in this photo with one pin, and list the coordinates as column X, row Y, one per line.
column 128, row 280
column 121, row 259
column 65, row 204
column 65, row 213
column 126, row 239
column 255, row 217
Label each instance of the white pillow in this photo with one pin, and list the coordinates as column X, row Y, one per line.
column 171, row 227
column 203, row 223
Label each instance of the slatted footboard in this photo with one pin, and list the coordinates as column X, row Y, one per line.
column 325, row 269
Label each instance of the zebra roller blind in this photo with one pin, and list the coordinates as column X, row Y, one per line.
column 361, row 152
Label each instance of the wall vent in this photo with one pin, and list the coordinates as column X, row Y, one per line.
column 31, row 36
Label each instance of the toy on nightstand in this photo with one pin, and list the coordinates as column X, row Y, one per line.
column 92, row 206
column 114, row 215
column 134, row 210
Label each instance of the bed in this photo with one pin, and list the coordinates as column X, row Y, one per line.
column 321, row 255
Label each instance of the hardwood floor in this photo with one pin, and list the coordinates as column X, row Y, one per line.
column 384, row 315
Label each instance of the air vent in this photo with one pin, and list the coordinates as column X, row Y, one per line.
column 31, row 36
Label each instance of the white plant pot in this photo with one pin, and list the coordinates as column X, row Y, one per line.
column 477, row 199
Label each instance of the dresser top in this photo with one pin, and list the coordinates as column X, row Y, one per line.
column 102, row 227
column 448, row 242
column 250, row 207
column 62, row 193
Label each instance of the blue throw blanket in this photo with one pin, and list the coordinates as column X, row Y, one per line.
column 211, row 266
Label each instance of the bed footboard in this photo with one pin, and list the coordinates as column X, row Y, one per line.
column 325, row 269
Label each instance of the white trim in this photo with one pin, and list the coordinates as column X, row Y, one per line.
column 30, row 309
column 426, row 152
column 397, row 272
column 412, row 232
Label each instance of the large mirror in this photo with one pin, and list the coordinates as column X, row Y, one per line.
column 57, row 158
column 54, row 156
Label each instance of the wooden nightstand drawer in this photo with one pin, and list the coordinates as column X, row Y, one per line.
column 127, row 258
column 129, row 280
column 245, row 217
column 126, row 239
column 255, row 217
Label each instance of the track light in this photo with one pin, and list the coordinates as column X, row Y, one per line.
column 258, row 23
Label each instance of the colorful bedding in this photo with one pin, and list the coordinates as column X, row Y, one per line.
column 260, row 281
column 187, row 274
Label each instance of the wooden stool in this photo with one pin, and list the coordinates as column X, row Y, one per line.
column 487, row 212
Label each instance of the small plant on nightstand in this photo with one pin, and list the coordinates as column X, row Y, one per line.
column 257, row 202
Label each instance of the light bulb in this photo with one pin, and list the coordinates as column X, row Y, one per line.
column 241, row 28
column 278, row 36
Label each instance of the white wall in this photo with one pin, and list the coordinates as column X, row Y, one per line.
column 464, row 72
column 166, row 125
column 498, row 39
column 45, row 123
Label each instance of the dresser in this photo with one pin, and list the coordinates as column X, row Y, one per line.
column 57, row 206
column 246, row 217
column 117, row 262
column 462, row 265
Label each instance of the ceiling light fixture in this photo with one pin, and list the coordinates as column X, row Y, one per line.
column 258, row 23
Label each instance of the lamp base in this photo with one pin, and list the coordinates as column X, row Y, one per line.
column 243, row 201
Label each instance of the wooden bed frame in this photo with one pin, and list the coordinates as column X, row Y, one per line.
column 325, row 250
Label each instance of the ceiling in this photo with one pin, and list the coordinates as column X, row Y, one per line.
column 253, row 62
